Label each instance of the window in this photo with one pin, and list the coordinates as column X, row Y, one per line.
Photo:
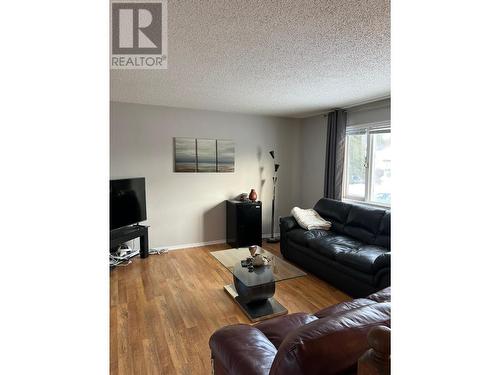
column 367, row 171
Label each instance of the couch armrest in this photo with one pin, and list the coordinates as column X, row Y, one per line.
column 382, row 278
column 287, row 223
column 382, row 261
column 377, row 360
column 331, row 345
column 242, row 349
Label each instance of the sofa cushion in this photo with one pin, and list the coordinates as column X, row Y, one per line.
column 302, row 236
column 363, row 223
column 288, row 223
column 327, row 246
column 343, row 307
column 334, row 211
column 276, row 329
column 316, row 260
column 364, row 259
column 347, row 241
column 331, row 250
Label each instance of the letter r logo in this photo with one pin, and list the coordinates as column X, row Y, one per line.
column 136, row 28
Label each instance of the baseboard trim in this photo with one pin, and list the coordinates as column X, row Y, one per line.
column 190, row 245
column 197, row 244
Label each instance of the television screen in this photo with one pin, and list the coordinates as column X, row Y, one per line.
column 127, row 202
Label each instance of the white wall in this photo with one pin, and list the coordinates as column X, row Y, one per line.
column 188, row 208
column 313, row 146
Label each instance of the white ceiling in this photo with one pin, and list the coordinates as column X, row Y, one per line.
column 288, row 58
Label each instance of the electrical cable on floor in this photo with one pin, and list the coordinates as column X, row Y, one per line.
column 118, row 262
column 122, row 261
column 158, row 251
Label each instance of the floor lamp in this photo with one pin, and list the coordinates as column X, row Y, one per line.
column 273, row 239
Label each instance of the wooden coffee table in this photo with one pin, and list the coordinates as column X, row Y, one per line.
column 253, row 290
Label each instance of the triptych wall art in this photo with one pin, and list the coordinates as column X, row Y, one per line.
column 203, row 155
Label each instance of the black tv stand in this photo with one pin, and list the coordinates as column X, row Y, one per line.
column 121, row 235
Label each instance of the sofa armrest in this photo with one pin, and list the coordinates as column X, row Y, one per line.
column 383, row 261
column 288, row 223
column 242, row 349
column 331, row 345
column 377, row 360
column 382, row 278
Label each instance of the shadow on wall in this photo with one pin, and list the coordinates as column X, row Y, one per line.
column 261, row 170
column 214, row 223
column 214, row 219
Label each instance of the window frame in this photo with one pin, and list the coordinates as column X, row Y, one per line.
column 368, row 129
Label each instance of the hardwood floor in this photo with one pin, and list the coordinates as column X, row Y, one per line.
column 163, row 309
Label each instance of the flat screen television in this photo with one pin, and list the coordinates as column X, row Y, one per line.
column 127, row 202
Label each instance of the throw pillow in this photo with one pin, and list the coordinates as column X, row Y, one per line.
column 309, row 219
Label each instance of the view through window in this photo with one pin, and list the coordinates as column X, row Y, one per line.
column 368, row 164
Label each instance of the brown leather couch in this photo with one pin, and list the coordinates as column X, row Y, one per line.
column 327, row 342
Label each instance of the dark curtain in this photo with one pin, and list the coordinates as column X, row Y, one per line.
column 335, row 146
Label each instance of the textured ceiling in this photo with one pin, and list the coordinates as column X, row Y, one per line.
column 286, row 58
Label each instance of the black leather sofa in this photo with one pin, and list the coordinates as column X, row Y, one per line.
column 354, row 255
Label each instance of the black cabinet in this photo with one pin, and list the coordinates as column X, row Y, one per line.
column 243, row 223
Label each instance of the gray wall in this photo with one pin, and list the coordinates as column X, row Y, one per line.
column 313, row 149
column 189, row 208
column 313, row 146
